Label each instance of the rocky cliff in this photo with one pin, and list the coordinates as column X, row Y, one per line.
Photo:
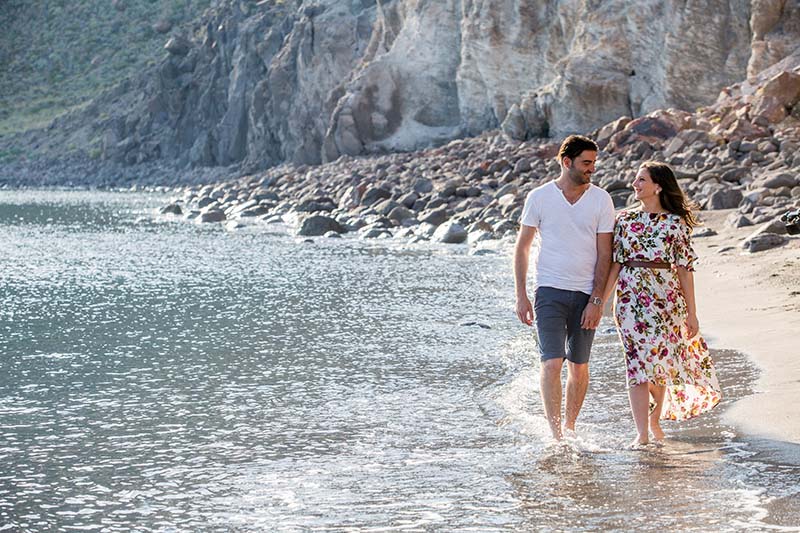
column 256, row 84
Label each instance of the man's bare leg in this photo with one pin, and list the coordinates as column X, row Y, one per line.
column 577, row 384
column 550, row 386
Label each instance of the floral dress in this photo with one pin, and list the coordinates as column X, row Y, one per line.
column 650, row 312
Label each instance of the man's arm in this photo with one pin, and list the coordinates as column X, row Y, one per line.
column 593, row 312
column 522, row 254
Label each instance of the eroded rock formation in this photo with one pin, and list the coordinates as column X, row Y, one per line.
column 259, row 84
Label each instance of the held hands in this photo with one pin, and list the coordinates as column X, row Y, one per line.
column 524, row 310
column 591, row 316
column 692, row 326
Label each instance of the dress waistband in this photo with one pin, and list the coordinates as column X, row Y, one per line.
column 646, row 264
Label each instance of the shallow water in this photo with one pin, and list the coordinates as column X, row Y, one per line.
column 159, row 375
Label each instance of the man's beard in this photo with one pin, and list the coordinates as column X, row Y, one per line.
column 580, row 178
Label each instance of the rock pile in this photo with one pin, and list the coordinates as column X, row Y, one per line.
column 741, row 152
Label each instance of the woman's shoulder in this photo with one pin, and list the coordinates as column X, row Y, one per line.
column 628, row 213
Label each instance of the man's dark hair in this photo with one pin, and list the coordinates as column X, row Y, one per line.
column 574, row 145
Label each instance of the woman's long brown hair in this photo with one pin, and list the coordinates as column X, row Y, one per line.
column 672, row 197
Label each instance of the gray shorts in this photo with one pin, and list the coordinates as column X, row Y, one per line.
column 558, row 321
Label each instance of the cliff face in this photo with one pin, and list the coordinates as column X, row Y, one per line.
column 258, row 84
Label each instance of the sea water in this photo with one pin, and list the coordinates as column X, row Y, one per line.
column 161, row 375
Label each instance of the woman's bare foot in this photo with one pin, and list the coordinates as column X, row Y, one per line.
column 658, row 433
column 639, row 442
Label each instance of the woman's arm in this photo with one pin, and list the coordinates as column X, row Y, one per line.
column 686, row 279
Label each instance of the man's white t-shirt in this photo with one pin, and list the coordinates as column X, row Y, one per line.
column 567, row 235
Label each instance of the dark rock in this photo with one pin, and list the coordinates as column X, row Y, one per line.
column 409, row 199
column 724, row 199
column 316, row 225
column 385, row 207
column 178, row 46
column 435, row 217
column 734, row 174
column 213, row 215
column 373, row 195
column 401, row 213
column 173, row 209
column 478, row 324
column 374, row 233
column 422, row 186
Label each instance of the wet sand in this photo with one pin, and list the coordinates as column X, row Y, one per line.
column 751, row 303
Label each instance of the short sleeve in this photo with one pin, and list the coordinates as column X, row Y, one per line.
column 606, row 224
column 530, row 213
column 683, row 255
column 618, row 253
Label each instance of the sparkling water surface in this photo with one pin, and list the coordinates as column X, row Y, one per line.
column 160, row 375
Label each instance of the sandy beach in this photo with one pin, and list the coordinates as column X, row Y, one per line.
column 750, row 302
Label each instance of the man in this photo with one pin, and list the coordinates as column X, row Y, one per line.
column 574, row 221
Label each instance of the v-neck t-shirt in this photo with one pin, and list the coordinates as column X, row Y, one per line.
column 567, row 235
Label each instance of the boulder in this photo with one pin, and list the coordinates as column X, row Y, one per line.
column 373, row 195
column 422, row 186
column 737, row 220
column 172, row 209
column 724, row 199
column 212, row 215
column 450, row 233
column 764, row 241
column 316, row 225
column 434, row 217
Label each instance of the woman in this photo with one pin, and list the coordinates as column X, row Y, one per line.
column 655, row 306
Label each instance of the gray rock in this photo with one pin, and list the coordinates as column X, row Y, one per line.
column 173, row 209
column 400, row 213
column 724, row 199
column 312, row 205
column 450, row 233
column 482, row 251
column 178, row 46
column 409, row 199
column 703, row 232
column 434, row 217
column 765, row 241
column 204, row 201
column 475, row 237
column 737, row 220
column 317, row 225
column 774, row 226
column 374, row 233
column 254, row 211
column 213, row 215
column 514, row 125
column 374, row 194
column 734, row 174
column 385, row 207
column 781, row 179
column 422, row 186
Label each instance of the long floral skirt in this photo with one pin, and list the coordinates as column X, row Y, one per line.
column 650, row 312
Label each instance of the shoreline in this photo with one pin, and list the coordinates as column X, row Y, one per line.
column 750, row 302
